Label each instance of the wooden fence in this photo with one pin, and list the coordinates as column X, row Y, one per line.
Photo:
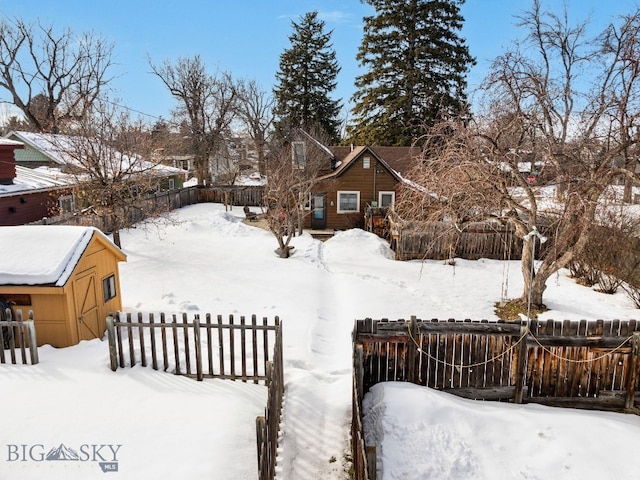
column 268, row 426
column 151, row 204
column 592, row 365
column 16, row 337
column 244, row 350
column 233, row 195
column 440, row 241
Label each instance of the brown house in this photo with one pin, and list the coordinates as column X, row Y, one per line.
column 68, row 277
column 356, row 177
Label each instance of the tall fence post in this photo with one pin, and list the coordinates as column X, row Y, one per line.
column 198, row 346
column 261, row 427
column 111, row 336
column 412, row 350
column 520, row 365
column 632, row 373
column 33, row 343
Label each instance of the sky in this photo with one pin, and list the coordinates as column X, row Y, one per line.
column 246, row 37
column 206, row 260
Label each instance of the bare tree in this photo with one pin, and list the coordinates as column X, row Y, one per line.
column 208, row 104
column 256, row 112
column 560, row 110
column 52, row 77
column 108, row 155
column 289, row 185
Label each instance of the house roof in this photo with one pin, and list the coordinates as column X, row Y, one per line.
column 31, row 179
column 397, row 160
column 11, row 143
column 400, row 159
column 45, row 254
column 56, row 148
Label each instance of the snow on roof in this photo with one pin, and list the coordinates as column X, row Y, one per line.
column 36, row 179
column 48, row 144
column 41, row 254
column 6, row 141
column 57, row 147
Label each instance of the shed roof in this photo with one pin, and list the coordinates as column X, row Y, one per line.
column 44, row 254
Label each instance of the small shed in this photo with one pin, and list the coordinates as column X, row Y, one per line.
column 68, row 276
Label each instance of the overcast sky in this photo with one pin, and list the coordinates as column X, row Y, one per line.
column 246, row 37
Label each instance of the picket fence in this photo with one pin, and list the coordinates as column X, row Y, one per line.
column 248, row 351
column 17, row 337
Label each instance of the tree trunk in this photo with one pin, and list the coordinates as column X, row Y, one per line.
column 534, row 282
column 628, row 190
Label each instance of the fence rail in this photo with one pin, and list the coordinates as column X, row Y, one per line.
column 16, row 338
column 591, row 365
column 244, row 351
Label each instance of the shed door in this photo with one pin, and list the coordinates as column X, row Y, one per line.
column 86, row 300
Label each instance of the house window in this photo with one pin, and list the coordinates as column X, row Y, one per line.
column 348, row 202
column 307, row 201
column 66, row 204
column 297, row 151
column 386, row 199
column 172, row 183
column 366, row 162
column 109, row 288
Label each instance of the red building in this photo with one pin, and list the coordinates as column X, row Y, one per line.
column 27, row 195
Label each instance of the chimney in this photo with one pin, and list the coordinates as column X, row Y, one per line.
column 8, row 160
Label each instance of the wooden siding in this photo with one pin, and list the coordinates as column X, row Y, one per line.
column 368, row 181
column 27, row 207
column 30, row 157
column 7, row 162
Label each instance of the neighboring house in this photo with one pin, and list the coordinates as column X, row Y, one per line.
column 28, row 195
column 352, row 179
column 66, row 275
column 52, row 150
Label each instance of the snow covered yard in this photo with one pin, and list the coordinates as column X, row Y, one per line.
column 208, row 261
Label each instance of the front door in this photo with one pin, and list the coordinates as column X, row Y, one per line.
column 86, row 299
column 319, row 211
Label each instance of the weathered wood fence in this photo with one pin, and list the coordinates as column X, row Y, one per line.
column 268, row 426
column 592, row 365
column 248, row 351
column 155, row 203
column 16, row 338
column 440, row 241
column 233, row 195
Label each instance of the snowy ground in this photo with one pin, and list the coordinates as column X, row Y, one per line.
column 207, row 260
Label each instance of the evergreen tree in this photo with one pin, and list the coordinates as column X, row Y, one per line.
column 416, row 70
column 307, row 75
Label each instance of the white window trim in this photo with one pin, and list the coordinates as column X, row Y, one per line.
column 71, row 202
column 391, row 192
column 366, row 162
column 340, row 192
